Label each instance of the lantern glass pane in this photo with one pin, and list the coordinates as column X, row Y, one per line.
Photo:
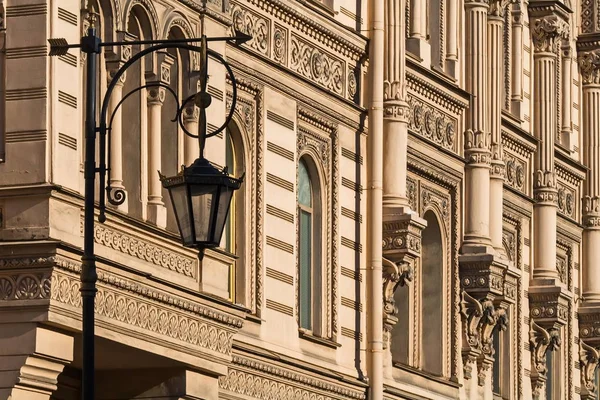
column 203, row 197
column 183, row 215
column 222, row 212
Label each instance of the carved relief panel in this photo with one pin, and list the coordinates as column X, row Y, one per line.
column 289, row 38
column 569, row 191
column 518, row 157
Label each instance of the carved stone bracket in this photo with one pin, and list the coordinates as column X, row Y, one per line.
column 401, row 247
column 588, row 359
column 480, row 318
column 548, row 304
column 541, row 340
column 482, row 275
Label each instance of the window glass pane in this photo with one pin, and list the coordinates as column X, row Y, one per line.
column 228, row 242
column 304, row 186
column 305, row 258
column 497, row 366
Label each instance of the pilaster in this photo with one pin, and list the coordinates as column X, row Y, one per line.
column 401, row 248
column 417, row 42
column 114, row 62
column 31, row 358
column 157, row 212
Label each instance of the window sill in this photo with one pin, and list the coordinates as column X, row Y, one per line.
column 426, row 375
column 304, row 334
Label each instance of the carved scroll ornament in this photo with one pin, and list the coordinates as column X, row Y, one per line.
column 547, row 31
column 588, row 359
column 589, row 66
column 541, row 341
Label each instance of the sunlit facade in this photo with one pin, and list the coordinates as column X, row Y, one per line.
column 419, row 219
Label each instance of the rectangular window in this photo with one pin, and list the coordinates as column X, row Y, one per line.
column 305, row 255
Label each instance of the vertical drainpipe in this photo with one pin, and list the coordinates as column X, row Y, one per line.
column 375, row 202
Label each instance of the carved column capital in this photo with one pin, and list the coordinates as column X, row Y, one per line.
column 156, row 96
column 498, row 166
column 589, row 66
column 544, row 187
column 477, row 148
column 541, row 341
column 591, row 211
column 497, row 9
column 547, row 31
column 111, row 71
column 396, row 110
column 191, row 114
column 588, row 360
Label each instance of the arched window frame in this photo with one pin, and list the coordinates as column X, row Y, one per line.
column 319, row 209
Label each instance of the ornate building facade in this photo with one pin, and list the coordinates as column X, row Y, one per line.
column 420, row 217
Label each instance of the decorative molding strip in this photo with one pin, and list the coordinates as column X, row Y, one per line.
column 30, row 286
column 69, row 58
column 351, row 185
column 299, row 20
column 348, row 273
column 67, row 99
column 279, row 213
column 286, row 383
column 282, row 308
column 145, row 250
column 67, row 16
column 526, row 319
column 281, row 245
column 526, row 346
column 526, row 294
column 527, row 268
column 278, row 119
column 26, row 10
column 26, row 136
column 355, row 305
column 527, row 373
column 282, row 183
column 26, row 52
column 351, row 244
column 154, row 294
column 432, row 92
column 150, row 315
column 349, row 154
column 216, row 93
column 280, row 276
column 281, row 151
column 67, row 140
column 346, row 212
column 26, row 94
column 527, row 241
column 577, row 390
column 576, row 266
column 349, row 333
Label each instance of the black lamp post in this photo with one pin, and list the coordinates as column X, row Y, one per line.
column 201, row 194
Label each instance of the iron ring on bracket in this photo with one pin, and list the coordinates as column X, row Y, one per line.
column 233, row 102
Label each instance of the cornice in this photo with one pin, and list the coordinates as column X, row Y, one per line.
column 420, row 80
column 539, row 8
column 521, row 145
column 517, row 208
column 570, row 170
column 424, row 165
column 241, row 69
column 154, row 294
column 588, row 41
column 282, row 9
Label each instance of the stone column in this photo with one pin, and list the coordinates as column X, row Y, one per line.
column 157, row 213
column 589, row 63
column 566, row 96
column 395, row 117
column 546, row 32
column 516, row 95
column 190, row 144
column 31, row 358
column 116, row 133
column 417, row 42
column 477, row 153
column 452, row 39
column 495, row 84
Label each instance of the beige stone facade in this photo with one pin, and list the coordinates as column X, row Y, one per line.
column 420, row 216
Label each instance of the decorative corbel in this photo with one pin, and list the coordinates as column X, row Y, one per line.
column 472, row 312
column 541, row 341
column 394, row 275
column 588, row 359
column 493, row 318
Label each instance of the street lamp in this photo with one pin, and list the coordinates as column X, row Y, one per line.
column 201, row 194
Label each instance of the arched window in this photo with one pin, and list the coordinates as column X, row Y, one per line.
column 432, row 346
column 229, row 234
column 309, row 249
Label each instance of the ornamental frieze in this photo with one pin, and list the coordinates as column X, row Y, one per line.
column 317, row 65
column 145, row 251
column 566, row 201
column 432, row 124
column 515, row 172
column 261, row 380
column 323, row 61
column 25, row 286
